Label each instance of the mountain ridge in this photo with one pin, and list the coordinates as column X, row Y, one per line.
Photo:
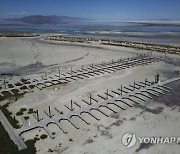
column 50, row 19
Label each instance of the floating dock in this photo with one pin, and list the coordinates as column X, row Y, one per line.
column 27, row 85
column 140, row 90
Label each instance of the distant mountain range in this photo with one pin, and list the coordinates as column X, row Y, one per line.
column 53, row 19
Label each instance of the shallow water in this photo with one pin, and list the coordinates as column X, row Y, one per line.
column 141, row 32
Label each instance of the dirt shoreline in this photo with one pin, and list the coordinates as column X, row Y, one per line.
column 139, row 45
column 19, row 34
column 35, row 56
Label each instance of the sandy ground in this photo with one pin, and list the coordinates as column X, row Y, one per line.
column 157, row 117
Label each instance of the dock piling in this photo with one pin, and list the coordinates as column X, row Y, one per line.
column 165, row 55
column 37, row 115
column 121, row 89
column 59, row 73
column 90, row 99
column 45, row 74
column 157, row 78
column 71, row 71
column 177, row 73
column 50, row 112
column 71, row 105
column 145, row 81
column 5, row 84
column 112, row 61
column 107, row 94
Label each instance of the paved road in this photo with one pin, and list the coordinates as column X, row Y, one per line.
column 12, row 132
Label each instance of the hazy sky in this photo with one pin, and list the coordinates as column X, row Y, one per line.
column 106, row 10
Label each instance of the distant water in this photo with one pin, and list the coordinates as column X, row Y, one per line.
column 153, row 33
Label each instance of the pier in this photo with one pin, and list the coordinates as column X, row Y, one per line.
column 27, row 85
column 141, row 90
